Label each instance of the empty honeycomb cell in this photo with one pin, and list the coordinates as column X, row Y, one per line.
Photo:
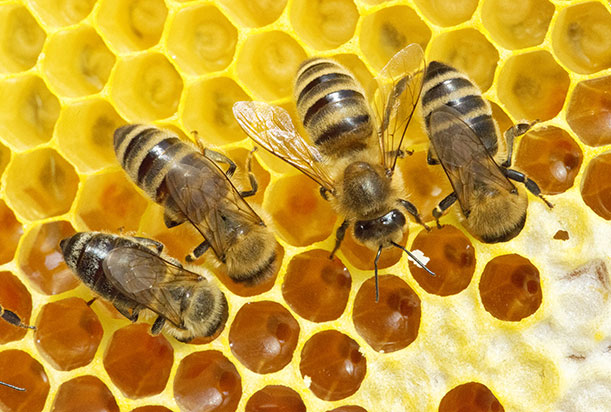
column 550, row 157
column 14, row 297
column 138, row 364
column 533, row 94
column 21, row 38
column 301, row 216
column 254, row 13
column 202, row 39
column 22, row 370
column 5, row 157
column 589, row 111
column 28, row 111
column 146, row 87
column 10, row 234
column 316, row 287
column 447, row 13
column 84, row 132
column 42, row 261
column 499, row 115
column 263, row 336
column 388, row 30
column 110, row 202
column 77, row 62
column 68, row 333
column 517, row 24
column 452, row 259
column 267, row 64
column 510, row 288
column 240, row 178
column 349, row 408
column 473, row 397
column 581, row 37
column 324, row 24
column 41, row 184
column 596, row 185
column 363, row 258
column 207, row 382
column 275, row 398
column 392, row 323
column 333, row 364
column 132, row 24
column 151, row 408
column 63, row 12
column 213, row 121
column 84, row 393
column 469, row 51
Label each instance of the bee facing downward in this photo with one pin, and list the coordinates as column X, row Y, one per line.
column 191, row 187
column 465, row 140
column 134, row 274
column 355, row 170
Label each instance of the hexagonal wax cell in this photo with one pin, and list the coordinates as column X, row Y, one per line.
column 275, row 397
column 254, row 13
column 589, row 111
column 21, row 38
column 84, row 393
column 596, row 185
column 15, row 297
column 445, row 13
column 22, row 370
column 472, row 396
column 10, row 234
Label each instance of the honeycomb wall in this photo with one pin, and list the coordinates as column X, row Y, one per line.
column 518, row 326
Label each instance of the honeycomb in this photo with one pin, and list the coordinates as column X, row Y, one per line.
column 517, row 326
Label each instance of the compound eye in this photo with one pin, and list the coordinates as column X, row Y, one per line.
column 395, row 218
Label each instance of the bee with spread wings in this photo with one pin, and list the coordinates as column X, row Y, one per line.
column 354, row 170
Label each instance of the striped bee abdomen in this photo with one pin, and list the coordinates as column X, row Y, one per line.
column 444, row 85
column 332, row 107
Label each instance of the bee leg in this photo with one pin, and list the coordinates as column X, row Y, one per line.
column 510, row 134
column 14, row 319
column 443, row 206
column 530, row 184
column 157, row 325
column 254, row 186
column 412, row 210
column 339, row 236
column 198, row 251
column 90, row 301
column 150, row 243
column 221, row 158
column 430, row 159
column 324, row 193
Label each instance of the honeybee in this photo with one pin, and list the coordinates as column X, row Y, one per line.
column 191, row 186
column 355, row 171
column 465, row 140
column 134, row 274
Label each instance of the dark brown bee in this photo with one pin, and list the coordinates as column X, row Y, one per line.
column 134, row 274
column 354, row 169
column 191, row 186
column 465, row 140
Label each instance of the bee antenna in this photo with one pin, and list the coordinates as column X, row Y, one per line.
column 410, row 254
column 375, row 265
column 17, row 388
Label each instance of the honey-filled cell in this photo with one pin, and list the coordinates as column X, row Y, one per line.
column 363, row 258
column 138, row 364
column 348, row 408
column 68, row 333
column 146, row 87
column 316, row 287
column 324, row 24
column 333, row 364
column 452, row 259
column 254, row 13
column 77, row 62
column 22, row 370
column 385, row 32
column 42, row 261
column 130, row 25
column 472, row 397
column 207, row 382
column 85, row 133
column 581, row 37
column 275, row 398
column 202, row 39
column 14, row 297
column 596, row 185
column 268, row 62
column 517, row 24
column 468, row 51
column 28, row 111
column 63, row 12
column 301, row 216
column 84, row 393
column 447, row 13
column 41, row 184
column 213, row 121
column 589, row 111
column 392, row 323
column 110, row 202
column 533, row 94
column 510, row 288
column 550, row 157
column 151, row 408
column 21, row 38
column 10, row 234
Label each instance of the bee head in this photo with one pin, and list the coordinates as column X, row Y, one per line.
column 381, row 231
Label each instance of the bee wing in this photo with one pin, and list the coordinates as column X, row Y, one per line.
column 272, row 127
column 399, row 88
column 144, row 277
column 464, row 157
